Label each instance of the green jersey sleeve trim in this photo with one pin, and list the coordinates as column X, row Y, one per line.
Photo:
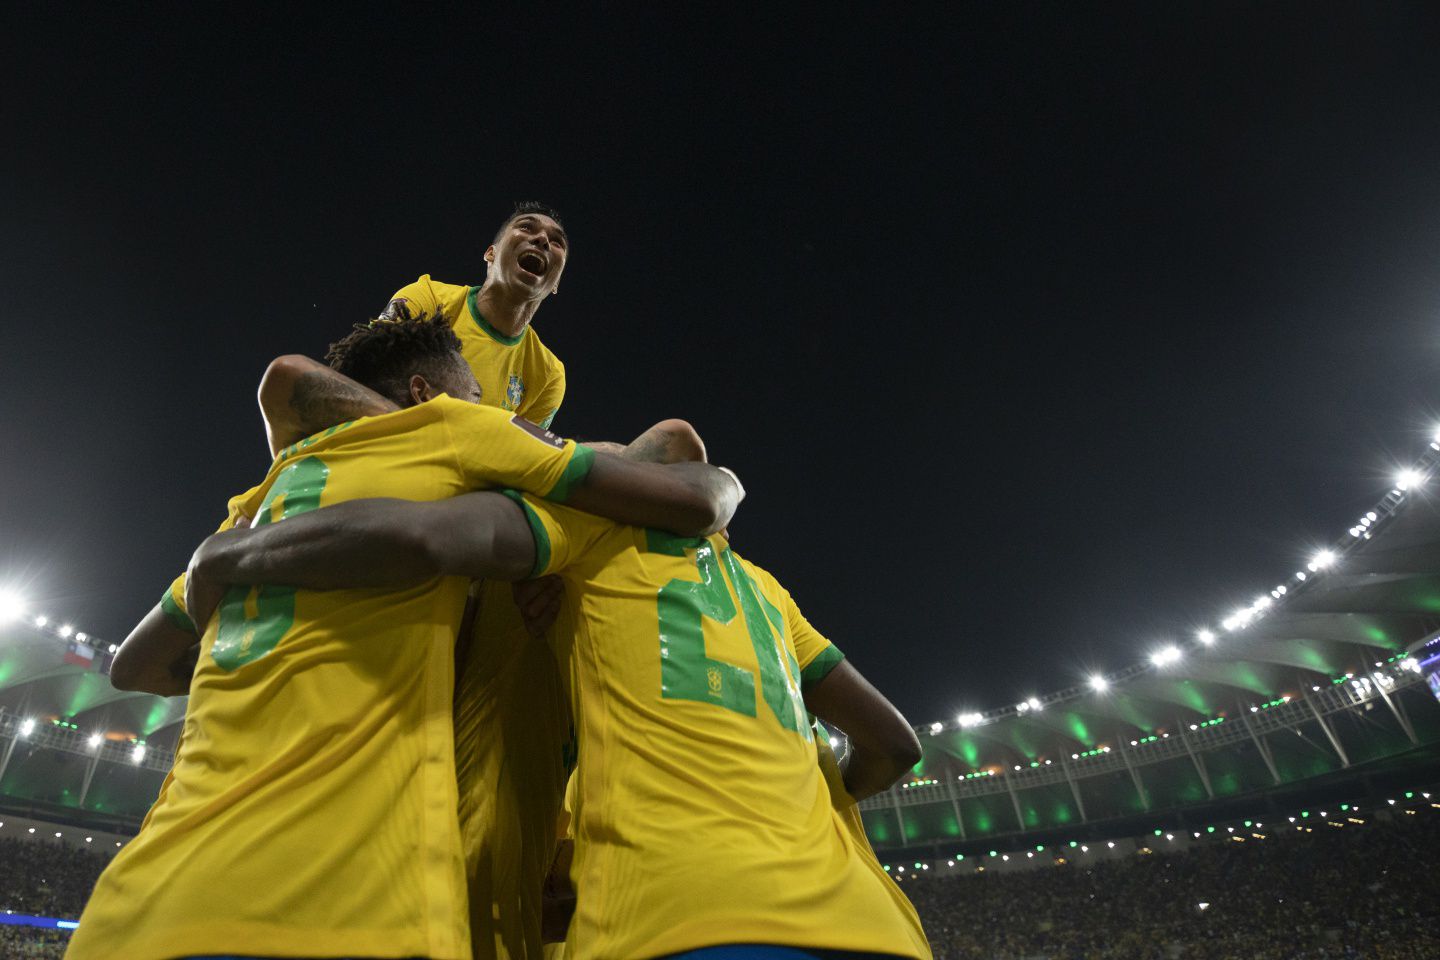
column 472, row 301
column 819, row 668
column 575, row 473
column 537, row 530
column 175, row 615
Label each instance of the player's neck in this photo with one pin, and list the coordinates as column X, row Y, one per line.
column 508, row 313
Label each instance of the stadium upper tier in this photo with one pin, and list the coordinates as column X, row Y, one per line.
column 1312, row 679
column 1315, row 678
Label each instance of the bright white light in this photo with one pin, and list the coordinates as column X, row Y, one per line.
column 12, row 606
column 27, row 726
column 138, row 753
column 1408, row 479
column 82, row 636
column 936, row 727
column 834, row 744
column 1111, row 844
column 1371, row 516
column 41, row 620
column 57, row 833
column 1166, row 656
column 95, row 739
column 89, row 839
column 969, row 719
column 1322, row 560
column 1203, row 906
column 1409, row 663
column 1300, row 575
column 1205, row 637
column 1262, row 602
column 113, row 648
column 66, row 630
column 1035, row 704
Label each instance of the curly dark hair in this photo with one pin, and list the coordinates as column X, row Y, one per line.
column 523, row 207
column 384, row 354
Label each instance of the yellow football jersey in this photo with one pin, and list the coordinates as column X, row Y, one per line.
column 702, row 816
column 514, row 747
column 311, row 810
column 515, row 373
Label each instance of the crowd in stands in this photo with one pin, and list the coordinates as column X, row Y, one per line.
column 1353, row 893
column 48, row 879
column 1361, row 892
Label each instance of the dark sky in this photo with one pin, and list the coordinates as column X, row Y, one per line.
column 1039, row 332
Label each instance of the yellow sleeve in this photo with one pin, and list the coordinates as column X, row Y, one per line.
column 425, row 297
column 562, row 535
column 497, row 448
column 816, row 655
column 542, row 407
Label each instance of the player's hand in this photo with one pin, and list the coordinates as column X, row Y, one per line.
column 202, row 593
column 539, row 602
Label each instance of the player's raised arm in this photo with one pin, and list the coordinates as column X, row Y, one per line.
column 300, row 397
column 882, row 744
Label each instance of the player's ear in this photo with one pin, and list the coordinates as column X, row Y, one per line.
column 490, row 254
column 420, row 389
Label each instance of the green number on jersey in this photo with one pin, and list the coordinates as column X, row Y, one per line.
column 686, row 672
column 242, row 637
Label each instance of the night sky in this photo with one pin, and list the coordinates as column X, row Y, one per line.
column 1040, row 333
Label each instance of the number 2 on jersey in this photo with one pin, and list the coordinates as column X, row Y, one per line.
column 244, row 637
column 687, row 672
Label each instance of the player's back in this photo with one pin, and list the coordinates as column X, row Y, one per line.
column 311, row 810
column 702, row 816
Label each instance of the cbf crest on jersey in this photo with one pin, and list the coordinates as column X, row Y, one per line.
column 514, row 392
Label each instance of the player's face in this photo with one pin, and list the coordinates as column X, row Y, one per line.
column 530, row 254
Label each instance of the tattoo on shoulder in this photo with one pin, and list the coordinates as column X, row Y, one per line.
column 321, row 399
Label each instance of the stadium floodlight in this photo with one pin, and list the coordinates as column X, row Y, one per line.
column 936, row 727
column 1034, row 703
column 95, row 739
column 27, row 726
column 1321, row 560
column 12, row 606
column 1409, row 478
column 1166, row 656
column 66, row 630
column 1411, row 664
column 1206, row 637
column 138, row 753
column 89, row 839
column 82, row 636
column 1099, row 684
column 41, row 620
column 834, row 743
column 969, row 719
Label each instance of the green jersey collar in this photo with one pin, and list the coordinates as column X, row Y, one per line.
column 483, row 324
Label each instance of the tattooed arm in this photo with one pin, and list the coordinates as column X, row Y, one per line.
column 300, row 397
column 669, row 441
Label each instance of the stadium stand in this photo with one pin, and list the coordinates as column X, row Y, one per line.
column 1356, row 890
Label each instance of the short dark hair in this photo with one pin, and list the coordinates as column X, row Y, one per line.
column 523, row 207
column 384, row 354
